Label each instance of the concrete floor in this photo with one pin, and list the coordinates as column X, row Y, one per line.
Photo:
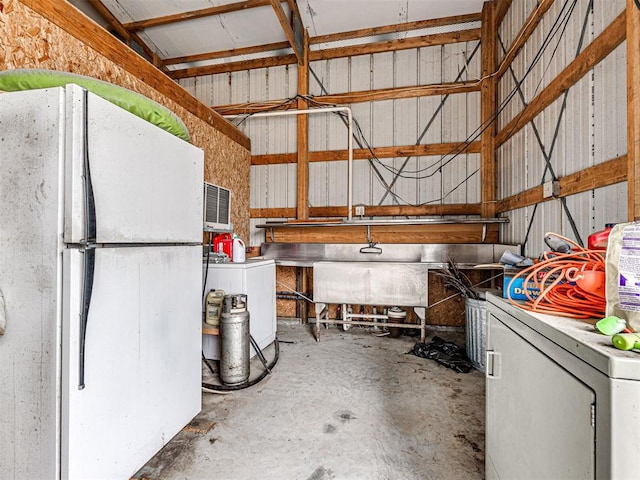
column 354, row 406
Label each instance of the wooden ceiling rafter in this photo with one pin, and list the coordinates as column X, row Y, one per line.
column 126, row 35
column 366, row 32
column 332, row 53
column 111, row 20
column 292, row 29
column 262, row 62
column 75, row 23
column 456, row 36
column 194, row 14
column 395, row 28
column 234, row 52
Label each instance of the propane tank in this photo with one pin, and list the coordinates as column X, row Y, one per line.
column 234, row 340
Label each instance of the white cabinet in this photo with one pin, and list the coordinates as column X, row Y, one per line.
column 562, row 402
column 257, row 279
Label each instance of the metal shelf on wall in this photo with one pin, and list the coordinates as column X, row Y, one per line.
column 218, row 230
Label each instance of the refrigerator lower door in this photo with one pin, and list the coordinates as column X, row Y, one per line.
column 142, row 357
column 146, row 183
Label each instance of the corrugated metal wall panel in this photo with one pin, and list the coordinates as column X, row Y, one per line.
column 606, row 12
column 611, row 205
column 581, row 207
column 592, row 130
column 610, row 97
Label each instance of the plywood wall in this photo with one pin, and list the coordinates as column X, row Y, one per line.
column 28, row 40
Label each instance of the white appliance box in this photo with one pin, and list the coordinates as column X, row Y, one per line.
column 257, row 279
column 562, row 402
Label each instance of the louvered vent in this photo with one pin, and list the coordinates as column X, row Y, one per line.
column 217, row 208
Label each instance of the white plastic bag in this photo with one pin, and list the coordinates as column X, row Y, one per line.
column 623, row 273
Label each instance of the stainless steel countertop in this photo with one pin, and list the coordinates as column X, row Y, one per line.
column 436, row 255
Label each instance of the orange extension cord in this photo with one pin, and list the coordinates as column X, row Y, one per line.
column 568, row 288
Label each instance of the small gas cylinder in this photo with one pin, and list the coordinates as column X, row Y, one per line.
column 234, row 340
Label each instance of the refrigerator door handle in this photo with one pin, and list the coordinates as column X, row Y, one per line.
column 87, row 289
column 90, row 226
column 89, row 243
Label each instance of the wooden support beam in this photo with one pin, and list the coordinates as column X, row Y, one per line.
column 525, row 32
column 193, row 14
column 78, row 25
column 601, row 175
column 299, row 31
column 633, row 110
column 488, row 103
column 401, row 92
column 111, row 20
column 502, row 7
column 126, row 36
column 302, row 154
column 603, row 45
column 331, row 53
column 423, row 150
column 398, row 27
column 233, row 66
column 395, row 45
column 434, row 233
column 373, row 211
column 356, row 97
column 200, row 57
column 288, row 29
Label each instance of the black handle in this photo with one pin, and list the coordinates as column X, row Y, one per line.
column 89, row 269
column 89, row 240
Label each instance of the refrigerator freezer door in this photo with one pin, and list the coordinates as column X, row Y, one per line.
column 147, row 183
column 142, row 366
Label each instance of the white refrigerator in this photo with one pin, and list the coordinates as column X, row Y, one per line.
column 100, row 273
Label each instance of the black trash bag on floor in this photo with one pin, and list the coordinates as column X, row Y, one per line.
column 445, row 353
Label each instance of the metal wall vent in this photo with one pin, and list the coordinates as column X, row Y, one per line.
column 217, row 208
